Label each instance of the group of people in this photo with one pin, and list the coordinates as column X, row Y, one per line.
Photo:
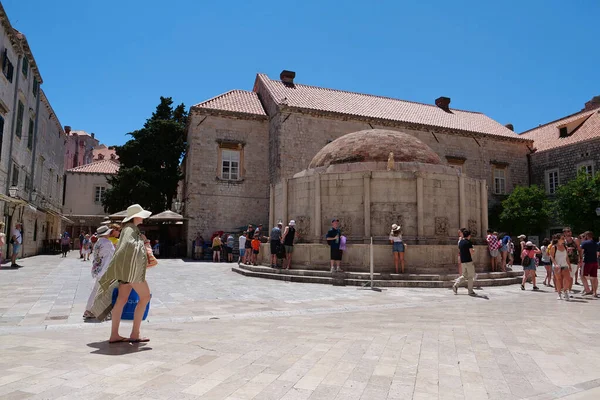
column 565, row 258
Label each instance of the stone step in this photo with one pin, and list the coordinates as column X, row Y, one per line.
column 366, row 276
column 342, row 278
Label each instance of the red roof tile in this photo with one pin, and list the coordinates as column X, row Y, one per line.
column 546, row 137
column 240, row 101
column 102, row 152
column 369, row 106
column 97, row 167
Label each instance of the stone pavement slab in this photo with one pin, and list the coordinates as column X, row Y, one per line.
column 219, row 335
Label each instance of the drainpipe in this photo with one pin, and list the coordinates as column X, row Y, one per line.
column 14, row 128
column 35, row 137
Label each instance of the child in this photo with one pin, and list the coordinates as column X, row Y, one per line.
column 255, row 249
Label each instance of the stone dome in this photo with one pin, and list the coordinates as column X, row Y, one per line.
column 374, row 145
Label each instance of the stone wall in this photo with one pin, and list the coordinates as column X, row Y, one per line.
column 213, row 204
column 566, row 159
column 297, row 138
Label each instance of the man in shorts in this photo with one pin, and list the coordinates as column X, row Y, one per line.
column 493, row 246
column 16, row 241
column 242, row 247
column 590, row 264
column 275, row 241
column 333, row 239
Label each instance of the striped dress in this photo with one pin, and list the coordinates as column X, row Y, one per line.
column 128, row 265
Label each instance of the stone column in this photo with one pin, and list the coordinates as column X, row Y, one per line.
column 317, row 208
column 367, row 204
column 284, row 195
column 484, row 208
column 462, row 207
column 271, row 206
column 420, row 215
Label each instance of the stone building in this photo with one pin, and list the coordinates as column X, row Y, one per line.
column 85, row 186
column 32, row 143
column 565, row 146
column 103, row 152
column 79, row 149
column 242, row 143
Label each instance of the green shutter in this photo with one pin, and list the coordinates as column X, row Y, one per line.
column 20, row 112
column 30, row 135
column 25, row 66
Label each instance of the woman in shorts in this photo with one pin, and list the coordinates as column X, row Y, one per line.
column 529, row 268
column 216, row 248
column 547, row 262
column 397, row 246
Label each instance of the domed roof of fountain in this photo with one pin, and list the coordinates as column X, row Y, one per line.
column 375, row 145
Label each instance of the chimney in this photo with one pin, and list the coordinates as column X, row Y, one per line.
column 592, row 104
column 287, row 77
column 67, row 129
column 510, row 126
column 93, row 135
column 443, row 103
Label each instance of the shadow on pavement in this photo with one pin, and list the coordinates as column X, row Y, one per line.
column 8, row 267
column 117, row 349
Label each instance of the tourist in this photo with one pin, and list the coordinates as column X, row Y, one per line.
column 258, row 232
column 216, row 248
column 562, row 266
column 493, row 247
column 81, row 238
column 504, row 251
column 511, row 253
column 466, row 259
column 397, row 246
column 198, row 246
column 255, row 250
column 93, row 240
column 590, row 264
column 242, row 248
column 522, row 241
column 460, row 237
column 2, row 242
column 249, row 237
column 289, row 234
column 229, row 250
column 65, row 242
column 547, row 262
column 103, row 253
column 114, row 234
column 16, row 239
column 156, row 248
column 529, row 264
column 574, row 252
column 127, row 271
column 86, row 248
column 275, row 241
column 333, row 239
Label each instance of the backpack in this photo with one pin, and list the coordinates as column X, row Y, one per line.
column 526, row 260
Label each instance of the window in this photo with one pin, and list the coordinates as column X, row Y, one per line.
column 27, row 183
column 20, row 112
column 1, row 133
column 15, row 175
column 456, row 162
column 36, row 87
column 586, row 167
column 563, row 132
column 99, row 194
column 35, row 229
column 30, row 135
column 499, row 180
column 25, row 66
column 551, row 181
column 230, row 164
column 7, row 67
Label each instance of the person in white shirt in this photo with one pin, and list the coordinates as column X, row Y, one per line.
column 16, row 240
column 398, row 246
column 242, row 247
column 103, row 253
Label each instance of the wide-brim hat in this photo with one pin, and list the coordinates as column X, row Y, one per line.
column 396, row 228
column 521, row 237
column 292, row 223
column 103, row 231
column 529, row 244
column 136, row 211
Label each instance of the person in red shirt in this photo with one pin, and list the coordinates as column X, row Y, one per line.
column 255, row 249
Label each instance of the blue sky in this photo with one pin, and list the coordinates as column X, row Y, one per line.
column 105, row 63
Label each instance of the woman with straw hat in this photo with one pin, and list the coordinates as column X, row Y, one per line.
column 398, row 246
column 127, row 270
column 102, row 254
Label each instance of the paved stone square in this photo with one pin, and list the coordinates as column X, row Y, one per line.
column 219, row 335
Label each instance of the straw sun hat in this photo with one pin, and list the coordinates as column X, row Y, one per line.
column 136, row 211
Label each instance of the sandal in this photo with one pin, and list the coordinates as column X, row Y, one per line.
column 139, row 340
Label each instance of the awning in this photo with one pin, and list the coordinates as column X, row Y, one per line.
column 9, row 199
column 67, row 220
column 167, row 216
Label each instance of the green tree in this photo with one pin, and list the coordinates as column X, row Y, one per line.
column 150, row 162
column 576, row 203
column 526, row 210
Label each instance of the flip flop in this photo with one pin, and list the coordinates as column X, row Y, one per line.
column 140, row 340
column 122, row 340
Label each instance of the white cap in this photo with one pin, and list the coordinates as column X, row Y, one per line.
column 292, row 223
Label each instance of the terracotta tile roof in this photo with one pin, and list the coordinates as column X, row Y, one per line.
column 102, row 152
column 97, row 167
column 546, row 137
column 238, row 101
column 386, row 108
